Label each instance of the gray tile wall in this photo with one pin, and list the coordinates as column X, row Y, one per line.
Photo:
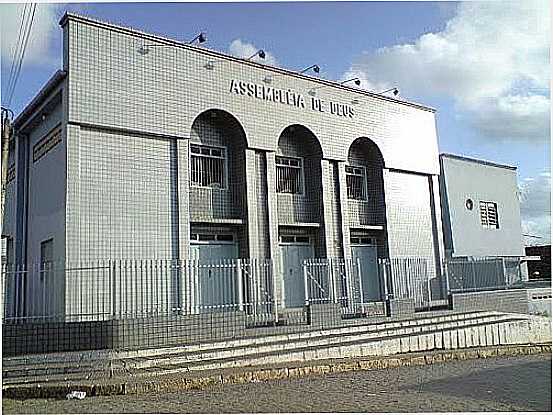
column 123, row 197
column 163, row 92
column 409, row 216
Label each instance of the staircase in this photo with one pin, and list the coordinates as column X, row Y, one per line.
column 447, row 331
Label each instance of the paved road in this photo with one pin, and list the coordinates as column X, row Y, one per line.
column 498, row 384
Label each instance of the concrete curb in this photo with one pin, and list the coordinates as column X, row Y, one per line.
column 173, row 383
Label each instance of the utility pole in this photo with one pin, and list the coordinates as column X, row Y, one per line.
column 7, row 114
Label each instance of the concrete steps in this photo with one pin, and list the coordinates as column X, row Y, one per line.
column 449, row 331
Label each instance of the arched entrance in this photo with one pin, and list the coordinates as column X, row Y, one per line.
column 299, row 197
column 217, row 169
column 366, row 213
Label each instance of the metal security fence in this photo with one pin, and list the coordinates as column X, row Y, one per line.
column 339, row 281
column 416, row 279
column 131, row 289
column 480, row 274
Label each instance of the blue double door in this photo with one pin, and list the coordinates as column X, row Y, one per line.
column 292, row 256
column 215, row 275
column 367, row 258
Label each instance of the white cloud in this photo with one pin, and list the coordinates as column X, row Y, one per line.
column 44, row 31
column 535, row 207
column 492, row 58
column 242, row 49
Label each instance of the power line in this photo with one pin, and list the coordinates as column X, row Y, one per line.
column 22, row 56
column 16, row 48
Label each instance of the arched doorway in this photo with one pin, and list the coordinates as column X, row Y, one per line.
column 217, row 169
column 366, row 213
column 299, row 197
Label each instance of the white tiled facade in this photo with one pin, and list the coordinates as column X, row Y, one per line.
column 119, row 181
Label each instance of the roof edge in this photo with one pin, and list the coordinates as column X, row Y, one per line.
column 93, row 21
column 478, row 161
column 48, row 87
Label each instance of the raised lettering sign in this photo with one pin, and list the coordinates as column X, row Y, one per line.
column 289, row 97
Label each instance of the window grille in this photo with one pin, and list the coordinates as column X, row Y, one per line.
column 208, row 166
column 46, row 257
column 11, row 174
column 211, row 237
column 488, row 215
column 362, row 241
column 356, row 183
column 295, row 239
column 289, row 175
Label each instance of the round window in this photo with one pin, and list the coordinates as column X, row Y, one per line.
column 469, row 204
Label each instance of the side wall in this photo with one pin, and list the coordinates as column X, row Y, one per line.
column 46, row 192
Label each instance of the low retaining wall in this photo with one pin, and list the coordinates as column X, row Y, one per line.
column 46, row 337
column 400, row 307
column 153, row 332
column 509, row 301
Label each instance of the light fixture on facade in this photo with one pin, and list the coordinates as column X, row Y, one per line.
column 260, row 53
column 315, row 68
column 356, row 81
column 145, row 49
column 312, row 91
column 269, row 78
column 394, row 91
column 201, row 38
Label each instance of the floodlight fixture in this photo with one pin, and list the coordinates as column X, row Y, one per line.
column 394, row 91
column 260, row 53
column 356, row 81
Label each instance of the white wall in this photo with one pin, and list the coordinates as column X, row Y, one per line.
column 465, row 236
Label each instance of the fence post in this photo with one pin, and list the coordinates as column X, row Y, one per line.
column 384, row 275
column 305, row 282
column 239, row 284
column 426, row 272
column 473, row 275
column 504, row 273
column 332, row 276
column 360, row 279
column 275, row 297
column 446, row 272
column 113, row 286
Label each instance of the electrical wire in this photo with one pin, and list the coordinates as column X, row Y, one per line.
column 24, row 43
column 16, row 48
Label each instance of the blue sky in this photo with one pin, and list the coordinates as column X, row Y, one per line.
column 483, row 66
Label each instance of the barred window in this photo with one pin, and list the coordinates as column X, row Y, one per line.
column 46, row 258
column 11, row 174
column 208, row 166
column 488, row 215
column 356, row 183
column 289, row 175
